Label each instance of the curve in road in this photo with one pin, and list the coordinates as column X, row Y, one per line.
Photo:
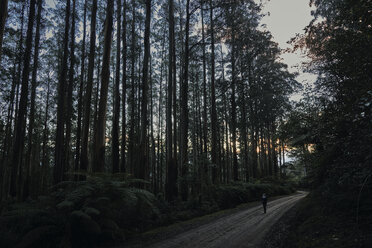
column 242, row 229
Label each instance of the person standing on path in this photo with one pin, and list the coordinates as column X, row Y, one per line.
column 264, row 202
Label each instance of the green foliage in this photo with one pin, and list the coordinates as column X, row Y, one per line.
column 329, row 222
column 231, row 195
column 82, row 213
column 339, row 118
column 102, row 211
column 220, row 197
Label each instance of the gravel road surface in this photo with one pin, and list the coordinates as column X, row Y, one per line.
column 242, row 229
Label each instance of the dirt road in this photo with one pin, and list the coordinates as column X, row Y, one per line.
column 241, row 229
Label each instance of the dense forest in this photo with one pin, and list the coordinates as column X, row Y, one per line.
column 176, row 103
column 332, row 126
column 178, row 94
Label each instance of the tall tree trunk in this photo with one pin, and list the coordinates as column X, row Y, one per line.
column 33, row 94
column 44, row 160
column 70, row 89
column 253, row 123
column 244, row 134
column 160, row 120
column 205, row 105
column 184, row 109
column 169, row 126
column 195, row 132
column 124, row 90
column 269, row 150
column 262, row 153
column 3, row 16
column 213, row 102
column 7, row 136
column 274, row 149
column 81, row 89
column 201, row 125
column 60, row 141
column 256, row 137
column 243, row 125
column 226, row 116
column 282, row 155
column 13, row 106
column 9, row 119
column 105, row 79
column 88, row 94
column 204, row 142
column 115, row 121
column 174, row 107
column 138, row 94
column 20, row 60
column 153, row 150
column 21, row 117
column 283, row 152
column 143, row 160
column 233, row 112
column 93, row 131
column 174, row 98
column 171, row 176
column 228, row 141
column 132, row 114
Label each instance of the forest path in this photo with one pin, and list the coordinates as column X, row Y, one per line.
column 242, row 229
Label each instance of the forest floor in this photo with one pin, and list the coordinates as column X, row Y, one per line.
column 323, row 222
column 245, row 227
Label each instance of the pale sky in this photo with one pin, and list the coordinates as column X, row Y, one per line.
column 286, row 19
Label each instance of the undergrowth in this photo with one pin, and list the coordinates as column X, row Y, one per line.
column 104, row 210
column 324, row 221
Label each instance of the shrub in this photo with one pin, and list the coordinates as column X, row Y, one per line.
column 231, row 195
column 101, row 211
